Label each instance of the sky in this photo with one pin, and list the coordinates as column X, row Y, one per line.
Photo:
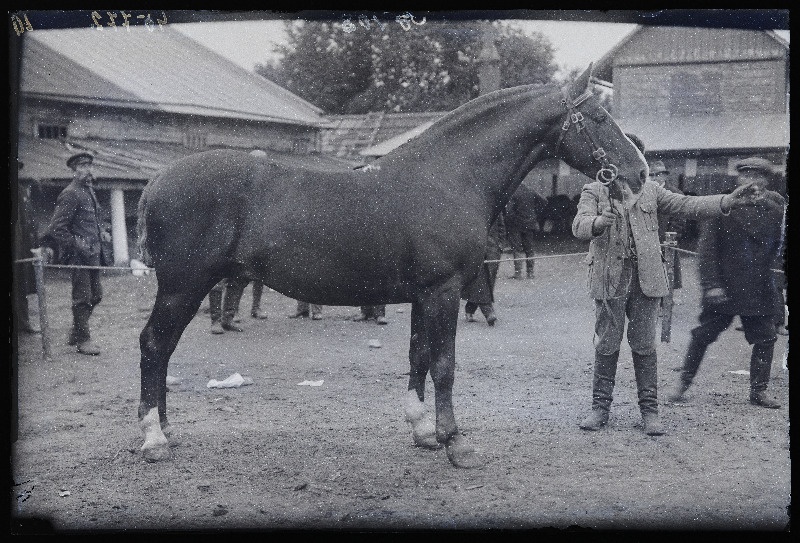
column 248, row 43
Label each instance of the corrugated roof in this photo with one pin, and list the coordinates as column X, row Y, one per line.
column 160, row 69
column 391, row 144
column 121, row 160
column 723, row 132
column 351, row 134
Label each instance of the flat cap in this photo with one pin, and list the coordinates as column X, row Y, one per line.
column 755, row 163
column 79, row 158
column 658, row 167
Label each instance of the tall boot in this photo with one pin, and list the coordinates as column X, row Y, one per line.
column 691, row 362
column 81, row 314
column 230, row 303
column 605, row 371
column 255, row 309
column 518, row 264
column 646, row 369
column 760, row 368
column 215, row 309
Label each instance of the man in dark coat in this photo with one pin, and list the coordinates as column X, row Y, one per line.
column 24, row 240
column 736, row 253
column 74, row 237
column 521, row 222
column 480, row 292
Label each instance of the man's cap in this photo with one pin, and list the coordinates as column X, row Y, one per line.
column 79, row 158
column 756, row 163
column 658, row 167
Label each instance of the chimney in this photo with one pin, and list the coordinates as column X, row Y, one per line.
column 488, row 62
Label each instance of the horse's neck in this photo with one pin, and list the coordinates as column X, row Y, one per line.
column 495, row 149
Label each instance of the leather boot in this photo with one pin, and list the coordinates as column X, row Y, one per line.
column 255, row 309
column 691, row 362
column 488, row 312
column 760, row 368
column 646, row 369
column 518, row 264
column 81, row 316
column 605, row 371
column 229, row 303
column 215, row 309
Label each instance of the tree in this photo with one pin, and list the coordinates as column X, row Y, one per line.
column 390, row 67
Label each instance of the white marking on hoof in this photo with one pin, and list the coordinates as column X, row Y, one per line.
column 155, row 447
column 422, row 425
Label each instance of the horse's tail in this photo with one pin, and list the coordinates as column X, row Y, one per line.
column 141, row 229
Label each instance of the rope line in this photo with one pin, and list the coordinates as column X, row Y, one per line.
column 75, row 266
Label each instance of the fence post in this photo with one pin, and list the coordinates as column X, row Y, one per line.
column 38, row 267
column 670, row 242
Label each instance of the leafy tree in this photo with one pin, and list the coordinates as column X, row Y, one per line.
column 389, row 67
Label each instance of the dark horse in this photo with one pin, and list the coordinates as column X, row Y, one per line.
column 409, row 228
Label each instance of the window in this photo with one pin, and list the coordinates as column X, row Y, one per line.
column 51, row 131
column 194, row 141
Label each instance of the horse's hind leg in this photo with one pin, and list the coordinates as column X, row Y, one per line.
column 439, row 309
column 172, row 312
column 422, row 425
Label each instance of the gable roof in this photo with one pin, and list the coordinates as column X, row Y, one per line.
column 159, row 69
column 603, row 67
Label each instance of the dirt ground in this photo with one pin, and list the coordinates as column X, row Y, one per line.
column 278, row 455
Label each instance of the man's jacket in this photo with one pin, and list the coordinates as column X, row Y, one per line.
column 737, row 252
column 74, row 230
column 607, row 249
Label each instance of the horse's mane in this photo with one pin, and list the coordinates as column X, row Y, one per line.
column 471, row 110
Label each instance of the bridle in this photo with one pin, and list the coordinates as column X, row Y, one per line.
column 608, row 171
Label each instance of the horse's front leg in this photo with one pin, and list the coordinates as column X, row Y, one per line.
column 171, row 314
column 421, row 422
column 440, row 310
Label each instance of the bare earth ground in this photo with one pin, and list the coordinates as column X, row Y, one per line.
column 276, row 455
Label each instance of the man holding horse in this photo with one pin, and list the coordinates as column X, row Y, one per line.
column 627, row 278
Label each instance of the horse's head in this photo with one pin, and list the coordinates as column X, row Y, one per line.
column 592, row 142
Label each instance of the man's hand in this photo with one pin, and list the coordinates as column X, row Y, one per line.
column 105, row 236
column 715, row 295
column 603, row 221
column 743, row 195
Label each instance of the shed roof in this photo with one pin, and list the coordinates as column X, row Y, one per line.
column 45, row 159
column 350, row 135
column 707, row 133
column 158, row 69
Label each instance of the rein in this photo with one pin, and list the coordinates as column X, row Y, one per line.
column 608, row 171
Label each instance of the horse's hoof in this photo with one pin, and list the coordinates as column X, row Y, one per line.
column 427, row 441
column 463, row 455
column 156, row 454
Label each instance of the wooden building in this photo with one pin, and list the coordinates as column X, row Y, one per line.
column 700, row 99
column 138, row 100
column 703, row 98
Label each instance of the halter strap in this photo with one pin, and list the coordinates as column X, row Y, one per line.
column 608, row 171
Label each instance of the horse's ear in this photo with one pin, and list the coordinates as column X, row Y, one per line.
column 581, row 84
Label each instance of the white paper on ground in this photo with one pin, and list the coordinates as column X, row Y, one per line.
column 234, row 381
column 312, row 383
